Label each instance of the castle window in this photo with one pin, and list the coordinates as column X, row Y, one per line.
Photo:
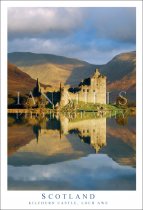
column 87, row 90
column 93, row 90
column 83, row 90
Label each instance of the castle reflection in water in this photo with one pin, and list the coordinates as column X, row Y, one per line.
column 53, row 138
column 90, row 131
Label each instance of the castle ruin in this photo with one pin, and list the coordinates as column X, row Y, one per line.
column 90, row 90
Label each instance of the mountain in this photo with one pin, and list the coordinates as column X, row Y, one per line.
column 53, row 69
column 18, row 81
column 121, row 75
column 121, row 71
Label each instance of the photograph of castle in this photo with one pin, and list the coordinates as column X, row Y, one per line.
column 71, row 99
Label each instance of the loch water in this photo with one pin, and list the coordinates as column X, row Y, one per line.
column 57, row 152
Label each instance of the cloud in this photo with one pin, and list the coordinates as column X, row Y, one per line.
column 105, row 174
column 32, row 22
column 90, row 34
column 117, row 23
column 94, row 52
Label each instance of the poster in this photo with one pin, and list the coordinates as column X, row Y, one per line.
column 71, row 108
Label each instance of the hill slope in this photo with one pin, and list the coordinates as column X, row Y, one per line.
column 121, row 74
column 18, row 80
column 52, row 69
column 121, row 71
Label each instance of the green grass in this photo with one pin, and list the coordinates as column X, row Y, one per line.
column 88, row 107
column 90, row 110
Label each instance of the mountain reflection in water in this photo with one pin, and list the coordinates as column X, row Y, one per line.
column 85, row 144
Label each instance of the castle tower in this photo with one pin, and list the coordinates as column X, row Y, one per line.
column 97, row 73
column 98, row 87
column 37, row 89
column 38, row 86
column 94, row 78
column 60, row 88
column 64, row 98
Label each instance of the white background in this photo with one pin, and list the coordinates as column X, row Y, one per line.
column 115, row 199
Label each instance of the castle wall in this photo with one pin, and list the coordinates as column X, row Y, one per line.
column 95, row 93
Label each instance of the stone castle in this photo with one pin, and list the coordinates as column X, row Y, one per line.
column 90, row 90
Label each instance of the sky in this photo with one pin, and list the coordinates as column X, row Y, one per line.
column 94, row 35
